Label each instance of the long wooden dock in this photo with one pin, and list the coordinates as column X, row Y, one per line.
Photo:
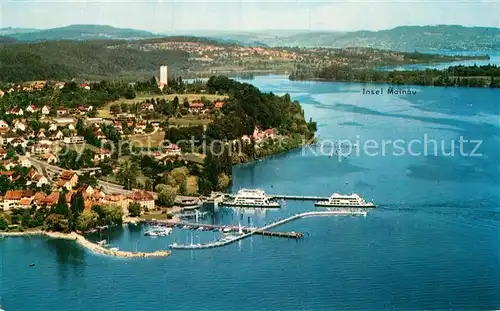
column 266, row 228
column 233, row 228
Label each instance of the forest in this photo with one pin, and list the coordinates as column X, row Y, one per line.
column 469, row 76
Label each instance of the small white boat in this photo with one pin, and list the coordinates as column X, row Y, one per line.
column 101, row 243
column 114, row 249
column 227, row 230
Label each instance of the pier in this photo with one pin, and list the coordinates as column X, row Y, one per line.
column 264, row 230
column 298, row 197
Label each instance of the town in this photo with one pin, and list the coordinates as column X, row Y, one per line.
column 143, row 153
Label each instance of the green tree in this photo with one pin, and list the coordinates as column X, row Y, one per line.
column 4, row 224
column 61, row 207
column 134, row 209
column 77, row 207
column 167, row 196
column 87, row 221
column 57, row 222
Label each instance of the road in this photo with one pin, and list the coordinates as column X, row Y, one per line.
column 51, row 171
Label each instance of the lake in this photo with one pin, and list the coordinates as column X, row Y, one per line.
column 432, row 242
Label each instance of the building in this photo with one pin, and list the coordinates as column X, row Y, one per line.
column 3, row 124
column 219, row 104
column 102, row 154
column 45, row 110
column 32, row 109
column 67, row 179
column 49, row 158
column 13, row 198
column 15, row 111
column 173, row 150
column 163, row 76
column 196, row 106
column 61, row 111
column 144, row 199
column 74, row 140
column 40, row 148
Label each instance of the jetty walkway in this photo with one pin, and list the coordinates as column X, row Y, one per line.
column 261, row 230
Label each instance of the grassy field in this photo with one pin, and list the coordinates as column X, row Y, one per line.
column 192, row 184
column 194, row 157
column 103, row 112
column 148, row 140
column 189, row 121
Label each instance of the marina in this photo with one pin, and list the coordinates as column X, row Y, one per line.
column 261, row 230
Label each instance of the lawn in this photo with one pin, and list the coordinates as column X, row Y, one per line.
column 189, row 121
column 194, row 157
column 148, row 140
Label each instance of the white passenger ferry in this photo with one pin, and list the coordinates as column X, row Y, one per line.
column 339, row 200
column 251, row 198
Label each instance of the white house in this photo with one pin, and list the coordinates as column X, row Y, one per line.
column 45, row 110
column 58, row 135
column 102, row 154
column 32, row 109
column 52, row 127
column 50, row 158
column 20, row 125
column 24, row 162
column 40, row 148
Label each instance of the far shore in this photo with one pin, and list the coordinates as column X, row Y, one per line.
column 86, row 243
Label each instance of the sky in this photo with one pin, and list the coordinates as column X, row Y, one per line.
column 167, row 16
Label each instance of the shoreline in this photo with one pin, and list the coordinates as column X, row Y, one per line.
column 82, row 241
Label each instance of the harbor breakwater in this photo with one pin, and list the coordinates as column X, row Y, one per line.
column 81, row 240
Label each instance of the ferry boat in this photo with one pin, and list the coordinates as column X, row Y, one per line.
column 339, row 200
column 251, row 198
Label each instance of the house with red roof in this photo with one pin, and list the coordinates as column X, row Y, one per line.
column 196, row 106
column 15, row 111
column 67, row 179
column 219, row 104
column 32, row 109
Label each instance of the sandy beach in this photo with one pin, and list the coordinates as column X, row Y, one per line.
column 87, row 244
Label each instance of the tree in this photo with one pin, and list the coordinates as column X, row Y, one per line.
column 167, row 196
column 127, row 175
column 87, row 221
column 148, row 186
column 115, row 109
column 26, row 219
column 175, row 103
column 113, row 215
column 134, row 209
column 56, row 222
column 61, row 207
column 130, row 93
column 183, row 188
column 179, row 174
column 4, row 224
column 77, row 207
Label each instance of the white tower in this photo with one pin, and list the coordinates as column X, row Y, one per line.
column 163, row 75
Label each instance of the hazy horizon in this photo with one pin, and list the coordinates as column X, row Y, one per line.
column 246, row 16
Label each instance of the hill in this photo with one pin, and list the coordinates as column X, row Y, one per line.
column 404, row 38
column 78, row 32
column 83, row 60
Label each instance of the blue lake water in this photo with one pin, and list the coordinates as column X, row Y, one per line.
column 432, row 243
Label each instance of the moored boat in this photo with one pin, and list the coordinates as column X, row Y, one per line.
column 251, row 198
column 339, row 200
